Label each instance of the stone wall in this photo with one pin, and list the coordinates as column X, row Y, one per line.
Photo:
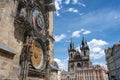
column 9, row 68
column 51, row 46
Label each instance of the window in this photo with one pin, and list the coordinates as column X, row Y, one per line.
column 79, row 65
column 71, row 55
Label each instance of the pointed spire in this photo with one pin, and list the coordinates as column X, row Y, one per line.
column 83, row 40
column 84, row 43
column 71, row 44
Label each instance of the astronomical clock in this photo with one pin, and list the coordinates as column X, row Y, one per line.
column 38, row 20
column 37, row 55
column 32, row 22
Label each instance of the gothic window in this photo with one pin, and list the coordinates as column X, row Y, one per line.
column 71, row 66
column 85, row 63
column 71, row 55
column 84, row 53
column 79, row 65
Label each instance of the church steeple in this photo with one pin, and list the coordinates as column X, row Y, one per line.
column 71, row 45
column 83, row 41
column 71, row 53
column 84, row 48
column 84, row 44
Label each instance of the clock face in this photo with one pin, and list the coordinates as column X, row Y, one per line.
column 36, row 55
column 38, row 20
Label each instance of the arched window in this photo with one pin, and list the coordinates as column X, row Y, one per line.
column 79, row 65
column 71, row 55
column 84, row 53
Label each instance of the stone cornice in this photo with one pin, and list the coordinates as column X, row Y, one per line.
column 7, row 52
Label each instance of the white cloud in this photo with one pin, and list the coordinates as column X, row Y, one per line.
column 75, row 1
column 63, row 64
column 82, row 30
column 87, row 32
column 82, row 4
column 57, row 13
column 67, row 1
column 81, row 14
column 58, row 5
column 59, row 37
column 95, row 19
column 76, row 34
column 79, row 3
column 67, row 41
column 97, row 48
column 72, row 10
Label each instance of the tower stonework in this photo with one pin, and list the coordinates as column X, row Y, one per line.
column 51, row 47
column 26, row 40
column 10, row 47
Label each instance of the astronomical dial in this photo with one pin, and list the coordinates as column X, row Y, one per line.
column 36, row 55
column 38, row 20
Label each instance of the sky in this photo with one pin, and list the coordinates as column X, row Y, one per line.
column 97, row 20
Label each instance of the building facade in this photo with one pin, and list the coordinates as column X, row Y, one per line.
column 26, row 40
column 80, row 67
column 113, row 61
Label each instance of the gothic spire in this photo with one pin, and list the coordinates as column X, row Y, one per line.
column 71, row 44
column 84, row 43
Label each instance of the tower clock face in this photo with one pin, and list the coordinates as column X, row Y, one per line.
column 38, row 20
column 36, row 55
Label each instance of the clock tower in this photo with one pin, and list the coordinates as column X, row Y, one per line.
column 27, row 40
column 35, row 19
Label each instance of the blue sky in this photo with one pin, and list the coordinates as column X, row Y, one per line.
column 98, row 20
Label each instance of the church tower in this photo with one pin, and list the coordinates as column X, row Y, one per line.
column 79, row 65
column 85, row 52
column 74, row 58
column 78, row 59
column 71, row 52
column 84, row 48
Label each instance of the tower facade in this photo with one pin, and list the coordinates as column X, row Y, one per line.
column 76, row 58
